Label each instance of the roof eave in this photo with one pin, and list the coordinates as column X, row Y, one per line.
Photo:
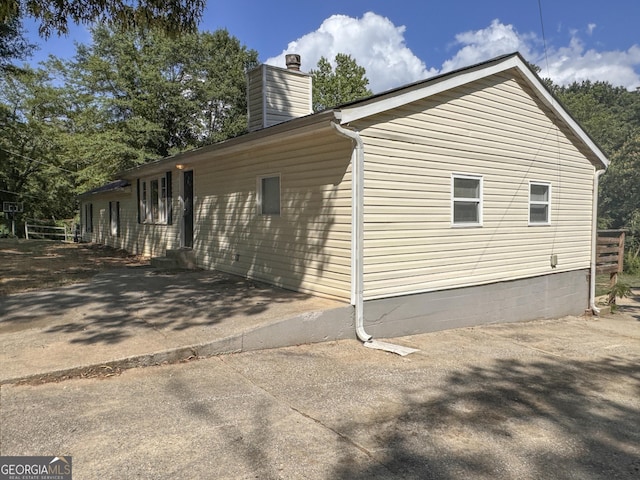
column 295, row 127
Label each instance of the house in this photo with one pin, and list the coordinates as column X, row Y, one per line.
column 466, row 198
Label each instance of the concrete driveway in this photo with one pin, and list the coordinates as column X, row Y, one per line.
column 553, row 399
column 141, row 316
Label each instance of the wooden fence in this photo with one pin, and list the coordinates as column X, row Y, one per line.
column 610, row 253
column 47, row 232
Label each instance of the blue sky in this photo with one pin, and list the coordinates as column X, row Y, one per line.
column 400, row 41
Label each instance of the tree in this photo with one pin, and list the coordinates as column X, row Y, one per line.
column 172, row 16
column 620, row 196
column 166, row 94
column 611, row 116
column 34, row 167
column 134, row 97
column 127, row 98
column 13, row 44
column 332, row 88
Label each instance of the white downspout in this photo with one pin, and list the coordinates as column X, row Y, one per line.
column 594, row 239
column 357, row 229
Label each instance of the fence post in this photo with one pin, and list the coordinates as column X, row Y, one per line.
column 621, row 252
column 26, row 230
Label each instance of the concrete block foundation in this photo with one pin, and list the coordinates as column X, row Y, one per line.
column 548, row 296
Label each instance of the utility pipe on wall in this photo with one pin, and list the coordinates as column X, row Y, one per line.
column 594, row 240
column 357, row 229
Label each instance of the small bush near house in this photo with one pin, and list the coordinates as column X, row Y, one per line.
column 619, row 290
column 632, row 263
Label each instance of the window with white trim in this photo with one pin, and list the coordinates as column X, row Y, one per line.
column 539, row 203
column 466, row 200
column 114, row 218
column 268, row 196
column 154, row 194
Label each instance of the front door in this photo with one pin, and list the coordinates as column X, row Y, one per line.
column 187, row 214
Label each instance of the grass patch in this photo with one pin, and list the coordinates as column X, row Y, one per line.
column 603, row 282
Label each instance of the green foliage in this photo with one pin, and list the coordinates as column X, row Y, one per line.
column 171, row 16
column 127, row 98
column 611, row 116
column 332, row 88
column 632, row 263
column 34, row 169
column 620, row 194
column 13, row 44
column 619, row 290
column 161, row 95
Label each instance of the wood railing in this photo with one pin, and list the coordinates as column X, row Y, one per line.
column 610, row 253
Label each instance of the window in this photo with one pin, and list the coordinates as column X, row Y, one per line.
column 162, row 199
column 539, row 203
column 154, row 200
column 114, row 218
column 269, row 195
column 143, row 206
column 466, row 200
column 88, row 218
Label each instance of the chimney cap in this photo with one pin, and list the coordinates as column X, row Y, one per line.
column 293, row 61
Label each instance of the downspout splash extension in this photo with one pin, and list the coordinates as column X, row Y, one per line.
column 594, row 239
column 357, row 244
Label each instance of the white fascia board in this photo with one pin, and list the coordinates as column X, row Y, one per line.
column 357, row 112
column 350, row 114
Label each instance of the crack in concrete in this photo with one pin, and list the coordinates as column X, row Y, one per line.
column 317, row 421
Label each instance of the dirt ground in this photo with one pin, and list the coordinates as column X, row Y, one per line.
column 27, row 265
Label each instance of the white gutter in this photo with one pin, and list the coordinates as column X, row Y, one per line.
column 357, row 229
column 594, row 240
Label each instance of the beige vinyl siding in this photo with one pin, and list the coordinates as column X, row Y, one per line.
column 491, row 128
column 287, row 94
column 308, row 246
column 148, row 240
column 100, row 233
column 255, row 100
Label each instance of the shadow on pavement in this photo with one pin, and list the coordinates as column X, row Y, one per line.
column 514, row 419
column 113, row 305
column 631, row 305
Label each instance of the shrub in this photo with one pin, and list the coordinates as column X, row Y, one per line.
column 619, row 290
column 631, row 263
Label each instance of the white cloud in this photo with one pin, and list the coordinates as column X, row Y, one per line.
column 373, row 41
column 480, row 45
column 573, row 64
column 567, row 64
column 379, row 46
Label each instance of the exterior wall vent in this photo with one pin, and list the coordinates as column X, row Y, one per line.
column 275, row 95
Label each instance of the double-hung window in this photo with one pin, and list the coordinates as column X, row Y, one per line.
column 466, row 200
column 539, row 203
column 154, row 199
column 268, row 195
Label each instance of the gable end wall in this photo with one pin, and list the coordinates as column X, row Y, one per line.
column 494, row 128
